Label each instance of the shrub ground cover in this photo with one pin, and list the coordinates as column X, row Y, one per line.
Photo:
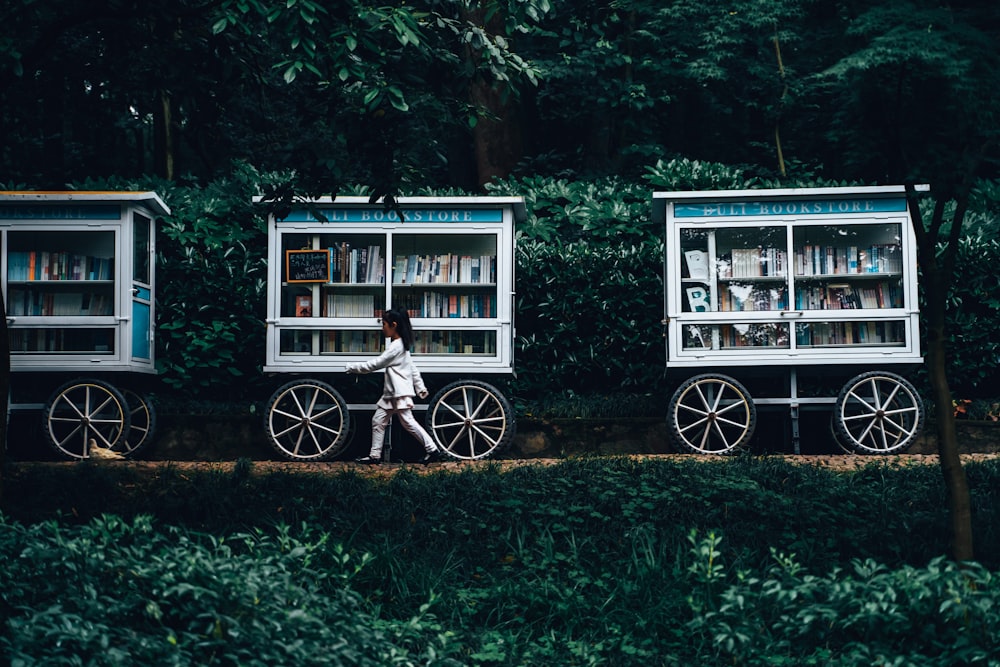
column 591, row 561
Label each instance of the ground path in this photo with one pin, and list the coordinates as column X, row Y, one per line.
column 840, row 462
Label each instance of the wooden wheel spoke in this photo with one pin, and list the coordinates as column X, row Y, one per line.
column 695, row 424
column 65, row 399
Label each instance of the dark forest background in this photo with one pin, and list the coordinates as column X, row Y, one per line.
column 452, row 94
column 584, row 108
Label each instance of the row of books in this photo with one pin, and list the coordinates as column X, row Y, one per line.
column 45, row 265
column 447, row 268
column 427, row 304
column 737, row 297
column 818, row 334
column 753, row 335
column 743, row 299
column 332, row 342
column 730, row 336
column 58, row 303
column 371, row 342
column 454, row 342
column 437, row 304
column 363, row 264
column 807, row 334
column 752, row 263
column 819, row 260
column 839, row 297
column 67, row 341
column 351, row 305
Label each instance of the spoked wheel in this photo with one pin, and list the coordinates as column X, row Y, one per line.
column 85, row 418
column 142, row 424
column 836, row 438
column 878, row 413
column 470, row 420
column 711, row 414
column 307, row 420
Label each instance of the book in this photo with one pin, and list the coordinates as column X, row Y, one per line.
column 697, row 264
column 698, row 299
column 303, row 305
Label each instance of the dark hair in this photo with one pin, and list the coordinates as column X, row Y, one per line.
column 403, row 327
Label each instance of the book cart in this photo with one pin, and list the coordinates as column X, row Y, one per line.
column 77, row 271
column 335, row 265
column 799, row 299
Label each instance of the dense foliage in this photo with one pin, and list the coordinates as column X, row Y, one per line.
column 444, row 93
column 613, row 561
column 583, row 108
column 589, row 267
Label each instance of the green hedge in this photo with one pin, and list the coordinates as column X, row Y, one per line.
column 593, row 561
column 588, row 282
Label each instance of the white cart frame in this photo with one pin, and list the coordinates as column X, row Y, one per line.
column 449, row 261
column 77, row 272
column 774, row 287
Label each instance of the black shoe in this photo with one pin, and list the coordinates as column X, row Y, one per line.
column 430, row 457
column 368, row 460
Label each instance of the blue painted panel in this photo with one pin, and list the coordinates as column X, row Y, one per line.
column 140, row 330
column 409, row 215
column 59, row 212
column 728, row 209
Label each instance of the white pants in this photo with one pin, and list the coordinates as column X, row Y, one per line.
column 380, row 420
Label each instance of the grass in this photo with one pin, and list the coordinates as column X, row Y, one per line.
column 610, row 561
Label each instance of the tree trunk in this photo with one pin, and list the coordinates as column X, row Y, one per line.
column 497, row 134
column 497, row 137
column 935, row 283
column 4, row 388
column 164, row 136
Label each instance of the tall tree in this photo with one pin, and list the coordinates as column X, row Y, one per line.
column 916, row 92
column 626, row 83
column 397, row 66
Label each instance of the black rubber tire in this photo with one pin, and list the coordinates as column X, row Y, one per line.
column 470, row 420
column 82, row 414
column 711, row 414
column 836, row 438
column 307, row 420
column 142, row 424
column 878, row 412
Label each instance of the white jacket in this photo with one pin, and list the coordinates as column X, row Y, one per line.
column 401, row 375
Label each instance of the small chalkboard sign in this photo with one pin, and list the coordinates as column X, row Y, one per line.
column 307, row 266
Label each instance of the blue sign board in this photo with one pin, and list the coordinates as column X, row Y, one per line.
column 59, row 212
column 719, row 209
column 409, row 215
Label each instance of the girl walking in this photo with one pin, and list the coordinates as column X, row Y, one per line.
column 402, row 383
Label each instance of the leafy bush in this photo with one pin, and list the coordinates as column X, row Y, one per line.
column 685, row 174
column 588, row 317
column 593, row 561
column 604, row 211
column 212, row 282
column 588, row 282
column 133, row 593
column 971, row 318
column 869, row 614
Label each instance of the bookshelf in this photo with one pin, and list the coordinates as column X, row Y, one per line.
column 77, row 279
column 448, row 262
column 821, row 276
column 336, row 265
column 77, row 274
